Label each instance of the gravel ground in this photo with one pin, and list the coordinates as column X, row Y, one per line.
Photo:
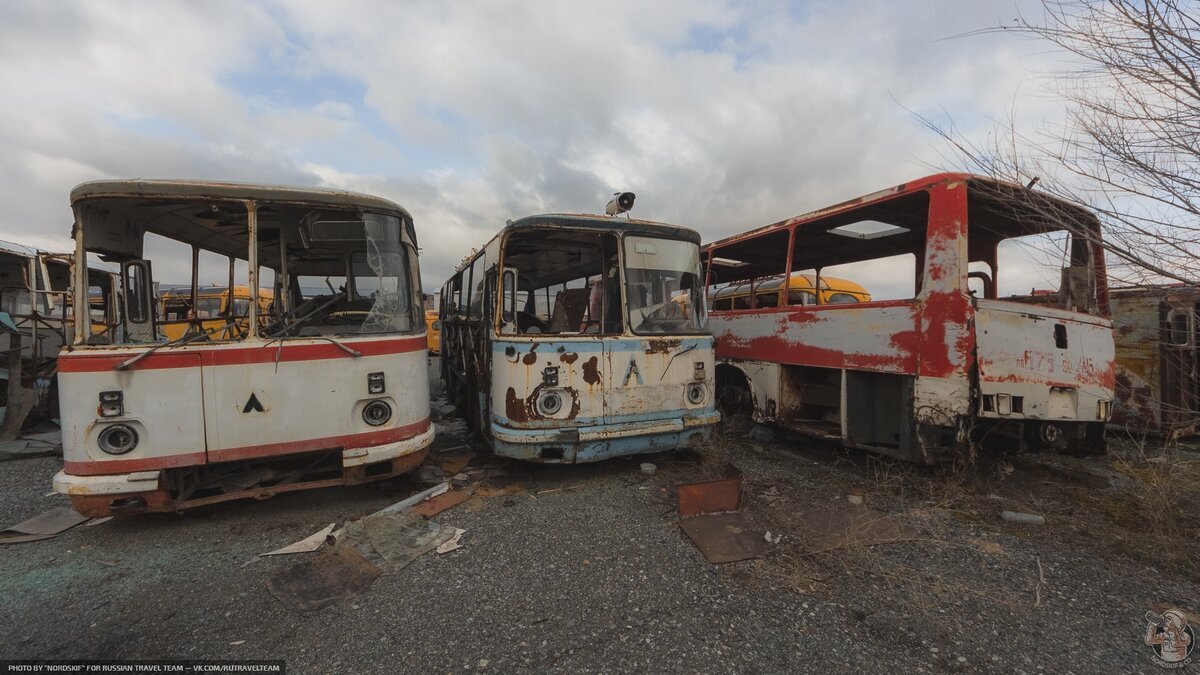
column 600, row 578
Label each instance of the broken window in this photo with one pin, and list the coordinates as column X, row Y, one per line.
column 863, row 254
column 567, row 282
column 351, row 276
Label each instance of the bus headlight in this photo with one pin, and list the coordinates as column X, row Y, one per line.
column 377, row 413
column 112, row 404
column 117, row 439
column 696, row 393
column 549, row 403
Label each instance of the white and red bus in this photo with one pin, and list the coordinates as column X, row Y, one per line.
column 948, row 352
column 330, row 388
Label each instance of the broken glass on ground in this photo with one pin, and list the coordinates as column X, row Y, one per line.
column 393, row 540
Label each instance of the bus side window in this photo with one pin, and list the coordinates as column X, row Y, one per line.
column 797, row 297
column 741, row 302
column 767, row 299
column 456, row 298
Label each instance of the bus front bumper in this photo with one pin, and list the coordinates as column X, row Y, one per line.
column 145, row 491
column 602, row 441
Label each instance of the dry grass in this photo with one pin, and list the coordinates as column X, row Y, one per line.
column 1160, row 507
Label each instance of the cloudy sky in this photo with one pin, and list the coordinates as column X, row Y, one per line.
column 720, row 115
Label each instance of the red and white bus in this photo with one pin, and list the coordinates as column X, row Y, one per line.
column 936, row 362
column 330, row 388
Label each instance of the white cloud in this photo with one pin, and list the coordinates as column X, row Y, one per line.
column 721, row 116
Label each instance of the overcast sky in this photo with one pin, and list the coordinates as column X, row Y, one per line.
column 720, row 116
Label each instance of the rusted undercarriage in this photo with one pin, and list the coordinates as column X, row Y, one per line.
column 186, row 488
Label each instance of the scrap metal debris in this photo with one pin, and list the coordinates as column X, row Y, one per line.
column 453, row 543
column 32, row 445
column 725, row 537
column 307, row 544
column 712, row 496
column 435, row 505
column 1027, row 518
column 851, row 526
column 337, row 574
column 44, row 526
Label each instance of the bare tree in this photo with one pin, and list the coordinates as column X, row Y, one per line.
column 1130, row 146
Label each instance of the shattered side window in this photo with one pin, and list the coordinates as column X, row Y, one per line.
column 391, row 309
column 376, row 297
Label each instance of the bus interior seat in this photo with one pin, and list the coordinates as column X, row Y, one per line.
column 569, row 306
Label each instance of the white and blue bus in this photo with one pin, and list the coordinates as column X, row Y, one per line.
column 576, row 338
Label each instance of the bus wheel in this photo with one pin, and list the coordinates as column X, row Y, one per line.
column 734, row 399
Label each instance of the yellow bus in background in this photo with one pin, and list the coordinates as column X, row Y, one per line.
column 801, row 291
column 212, row 312
column 433, row 331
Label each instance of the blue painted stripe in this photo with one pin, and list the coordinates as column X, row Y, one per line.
column 617, row 420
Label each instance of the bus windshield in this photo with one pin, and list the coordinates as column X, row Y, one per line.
column 662, row 280
column 376, row 297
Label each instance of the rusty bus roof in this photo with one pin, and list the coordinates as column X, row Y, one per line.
column 18, row 249
column 140, row 188
column 590, row 221
column 909, row 187
column 606, row 222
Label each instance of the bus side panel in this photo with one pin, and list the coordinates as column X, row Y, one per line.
column 251, row 402
column 880, row 337
column 1061, row 364
column 161, row 400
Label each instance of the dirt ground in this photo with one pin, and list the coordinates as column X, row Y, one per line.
column 585, row 568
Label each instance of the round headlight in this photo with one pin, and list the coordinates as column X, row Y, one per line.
column 549, row 403
column 117, row 439
column 696, row 393
column 377, row 413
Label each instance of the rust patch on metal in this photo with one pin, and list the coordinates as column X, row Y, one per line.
column 529, row 359
column 525, row 409
column 568, row 358
column 713, row 496
column 591, row 370
column 661, row 346
column 515, row 408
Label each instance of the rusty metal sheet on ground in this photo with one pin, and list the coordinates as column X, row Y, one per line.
column 453, row 465
column 23, row 448
column 435, row 505
column 334, row 575
column 725, row 537
column 42, row 526
column 712, row 496
column 851, row 526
